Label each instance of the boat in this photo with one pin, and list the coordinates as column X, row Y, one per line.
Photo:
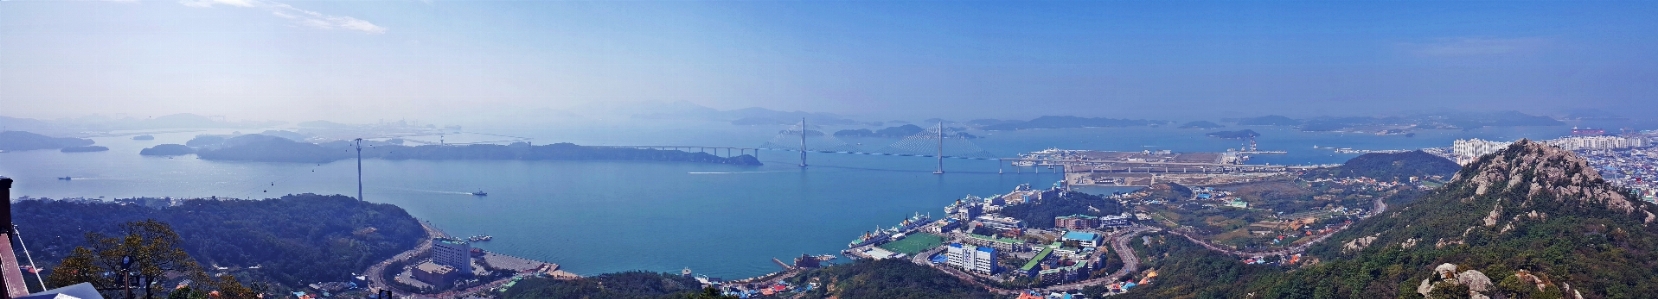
column 480, row 238
column 65, row 178
column 480, row 193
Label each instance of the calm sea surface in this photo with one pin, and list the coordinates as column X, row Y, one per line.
column 594, row 217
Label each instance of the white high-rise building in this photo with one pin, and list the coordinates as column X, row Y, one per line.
column 972, row 258
column 1468, row 150
column 453, row 253
column 1596, row 143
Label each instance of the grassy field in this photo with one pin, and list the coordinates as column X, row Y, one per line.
column 913, row 244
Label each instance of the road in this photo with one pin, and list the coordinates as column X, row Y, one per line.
column 374, row 273
column 1380, row 207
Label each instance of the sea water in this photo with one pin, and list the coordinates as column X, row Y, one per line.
column 727, row 221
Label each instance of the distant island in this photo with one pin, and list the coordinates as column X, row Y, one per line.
column 1240, row 134
column 143, row 137
column 1068, row 122
column 1269, row 120
column 167, row 150
column 1464, row 121
column 894, row 132
column 23, row 141
column 1202, row 124
column 757, row 121
column 261, row 148
column 84, row 149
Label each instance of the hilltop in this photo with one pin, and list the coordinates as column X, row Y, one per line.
column 1391, row 166
column 293, row 240
column 1530, row 221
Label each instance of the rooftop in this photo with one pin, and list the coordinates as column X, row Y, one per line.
column 1081, row 236
column 430, row 267
column 1037, row 260
column 449, row 241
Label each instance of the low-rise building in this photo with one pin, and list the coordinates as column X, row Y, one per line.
column 1077, row 221
column 1089, row 240
column 435, row 274
column 1004, row 244
column 1000, row 222
column 1116, row 220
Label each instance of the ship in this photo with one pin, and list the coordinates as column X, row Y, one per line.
column 480, row 238
column 913, row 222
column 480, row 193
column 868, row 238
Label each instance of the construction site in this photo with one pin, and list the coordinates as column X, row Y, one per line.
column 1144, row 168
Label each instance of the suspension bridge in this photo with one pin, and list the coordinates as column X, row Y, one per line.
column 938, row 142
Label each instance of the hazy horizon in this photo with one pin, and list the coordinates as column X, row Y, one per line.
column 440, row 61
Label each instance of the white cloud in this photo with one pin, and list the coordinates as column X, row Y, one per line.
column 299, row 16
column 1478, row 46
column 210, row 3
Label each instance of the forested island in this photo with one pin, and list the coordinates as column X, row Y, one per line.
column 289, row 241
column 262, row 148
column 167, row 150
column 1421, row 121
column 895, row 132
column 84, row 149
column 1240, row 134
column 23, row 141
column 1067, row 122
column 1202, row 124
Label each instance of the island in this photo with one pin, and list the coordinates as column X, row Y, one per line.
column 895, row 132
column 261, row 148
column 1202, row 124
column 23, row 141
column 1240, row 134
column 143, row 137
column 1269, row 120
column 1069, row 122
column 167, row 150
column 83, row 149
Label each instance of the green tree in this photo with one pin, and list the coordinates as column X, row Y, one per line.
column 144, row 255
column 78, row 267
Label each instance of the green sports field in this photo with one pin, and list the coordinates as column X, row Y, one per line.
column 914, row 244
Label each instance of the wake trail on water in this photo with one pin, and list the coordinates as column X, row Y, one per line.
column 434, row 191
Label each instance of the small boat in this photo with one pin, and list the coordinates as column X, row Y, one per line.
column 65, row 178
column 480, row 193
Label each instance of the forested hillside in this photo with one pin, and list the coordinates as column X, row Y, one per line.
column 297, row 238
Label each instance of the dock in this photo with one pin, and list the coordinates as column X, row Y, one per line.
column 780, row 263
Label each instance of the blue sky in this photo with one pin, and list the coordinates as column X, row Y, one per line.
column 300, row 60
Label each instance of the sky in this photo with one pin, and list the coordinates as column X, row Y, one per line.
column 354, row 61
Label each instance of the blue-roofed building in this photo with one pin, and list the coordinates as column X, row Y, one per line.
column 981, row 259
column 1086, row 239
